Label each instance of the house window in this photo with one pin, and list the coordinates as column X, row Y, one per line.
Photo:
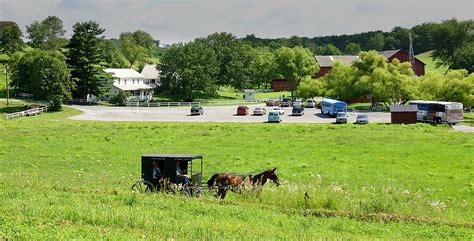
column 118, row 81
column 125, row 81
column 133, row 81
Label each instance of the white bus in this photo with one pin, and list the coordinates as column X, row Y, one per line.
column 438, row 111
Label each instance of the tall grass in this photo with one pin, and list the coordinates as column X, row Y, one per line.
column 71, row 179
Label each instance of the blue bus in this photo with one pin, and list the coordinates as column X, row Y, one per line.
column 332, row 107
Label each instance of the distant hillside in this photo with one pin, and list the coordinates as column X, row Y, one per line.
column 430, row 64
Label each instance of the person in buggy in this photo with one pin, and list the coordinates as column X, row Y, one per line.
column 157, row 176
column 181, row 175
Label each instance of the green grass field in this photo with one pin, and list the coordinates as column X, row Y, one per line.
column 71, row 179
column 430, row 63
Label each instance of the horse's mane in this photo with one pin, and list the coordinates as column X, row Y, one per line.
column 257, row 177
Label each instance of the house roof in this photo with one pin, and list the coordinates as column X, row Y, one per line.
column 150, row 72
column 328, row 60
column 139, row 86
column 389, row 53
column 403, row 108
column 125, row 73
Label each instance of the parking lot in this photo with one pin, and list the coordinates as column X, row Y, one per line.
column 211, row 114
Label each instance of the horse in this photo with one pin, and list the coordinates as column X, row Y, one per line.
column 226, row 181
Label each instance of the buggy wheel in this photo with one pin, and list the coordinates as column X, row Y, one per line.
column 143, row 186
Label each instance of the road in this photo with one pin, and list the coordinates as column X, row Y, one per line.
column 211, row 114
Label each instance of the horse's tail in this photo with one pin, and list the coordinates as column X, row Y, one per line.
column 211, row 181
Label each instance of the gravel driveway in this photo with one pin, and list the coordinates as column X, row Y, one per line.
column 211, row 114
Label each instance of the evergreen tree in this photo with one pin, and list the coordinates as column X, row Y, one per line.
column 85, row 58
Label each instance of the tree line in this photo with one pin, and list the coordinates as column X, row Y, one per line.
column 198, row 68
column 451, row 40
column 54, row 68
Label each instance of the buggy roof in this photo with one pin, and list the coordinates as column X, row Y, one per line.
column 174, row 156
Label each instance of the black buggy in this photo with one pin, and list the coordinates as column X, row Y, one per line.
column 168, row 165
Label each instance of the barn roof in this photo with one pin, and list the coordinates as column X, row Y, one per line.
column 150, row 71
column 389, row 53
column 328, row 60
column 403, row 108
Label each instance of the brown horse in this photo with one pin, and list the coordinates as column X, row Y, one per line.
column 226, row 181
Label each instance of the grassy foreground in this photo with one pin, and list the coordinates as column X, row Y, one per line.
column 70, row 179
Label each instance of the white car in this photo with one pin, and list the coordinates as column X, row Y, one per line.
column 296, row 103
column 310, row 103
column 341, row 117
column 280, row 110
column 259, row 111
column 362, row 119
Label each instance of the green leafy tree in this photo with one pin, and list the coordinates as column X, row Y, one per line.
column 113, row 57
column 188, row 71
column 328, row 50
column 295, row 64
column 137, row 46
column 463, row 58
column 10, row 37
column 85, row 57
column 45, row 75
column 339, row 82
column 380, row 80
column 47, row 34
column 263, row 66
column 447, row 37
column 310, row 88
column 223, row 45
column 377, row 41
column 455, row 86
column 131, row 51
column 352, row 48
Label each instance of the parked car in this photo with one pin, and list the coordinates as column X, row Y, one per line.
column 260, row 111
column 274, row 116
column 310, row 103
column 296, row 103
column 285, row 102
column 362, row 119
column 196, row 110
column 297, row 110
column 272, row 102
column 279, row 110
column 341, row 117
column 242, row 110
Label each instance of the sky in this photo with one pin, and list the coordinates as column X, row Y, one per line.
column 184, row 20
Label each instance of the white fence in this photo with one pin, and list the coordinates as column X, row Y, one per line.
column 167, row 104
column 30, row 112
column 24, row 95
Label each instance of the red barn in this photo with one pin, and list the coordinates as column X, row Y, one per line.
column 403, row 55
column 326, row 62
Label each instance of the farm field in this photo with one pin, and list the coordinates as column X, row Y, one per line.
column 71, row 179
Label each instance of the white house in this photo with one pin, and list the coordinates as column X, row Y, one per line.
column 131, row 82
column 151, row 75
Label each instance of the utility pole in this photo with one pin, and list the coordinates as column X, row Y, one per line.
column 6, row 82
column 411, row 54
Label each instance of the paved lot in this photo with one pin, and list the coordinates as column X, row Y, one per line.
column 463, row 128
column 211, row 114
